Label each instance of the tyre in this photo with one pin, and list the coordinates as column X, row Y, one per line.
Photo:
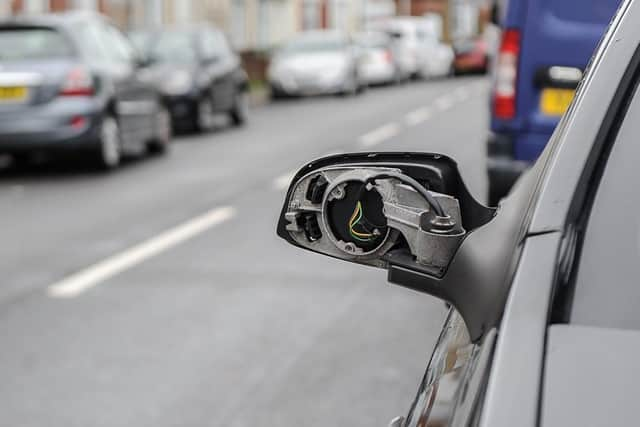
column 277, row 94
column 162, row 140
column 109, row 151
column 21, row 161
column 240, row 112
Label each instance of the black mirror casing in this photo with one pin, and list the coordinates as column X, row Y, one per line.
column 440, row 172
column 477, row 279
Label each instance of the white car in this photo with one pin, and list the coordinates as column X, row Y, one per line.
column 420, row 50
column 378, row 62
column 315, row 62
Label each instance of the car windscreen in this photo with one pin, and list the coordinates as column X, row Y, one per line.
column 315, row 45
column 174, row 48
column 19, row 44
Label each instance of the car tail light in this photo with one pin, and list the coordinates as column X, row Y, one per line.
column 78, row 122
column 504, row 96
column 388, row 56
column 78, row 82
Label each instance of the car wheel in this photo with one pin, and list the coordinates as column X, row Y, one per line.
column 21, row 161
column 163, row 133
column 109, row 151
column 240, row 112
column 277, row 94
column 204, row 115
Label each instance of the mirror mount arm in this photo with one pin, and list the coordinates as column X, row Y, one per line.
column 473, row 310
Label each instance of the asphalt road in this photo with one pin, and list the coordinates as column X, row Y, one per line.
column 188, row 311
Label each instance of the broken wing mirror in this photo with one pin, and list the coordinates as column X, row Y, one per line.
column 382, row 209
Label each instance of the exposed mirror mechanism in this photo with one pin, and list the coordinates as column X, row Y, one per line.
column 382, row 209
column 361, row 213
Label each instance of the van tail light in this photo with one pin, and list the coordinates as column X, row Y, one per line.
column 388, row 56
column 504, row 96
column 78, row 82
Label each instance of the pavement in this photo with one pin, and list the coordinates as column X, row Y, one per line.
column 159, row 295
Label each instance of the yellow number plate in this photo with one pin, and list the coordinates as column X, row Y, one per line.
column 13, row 94
column 554, row 102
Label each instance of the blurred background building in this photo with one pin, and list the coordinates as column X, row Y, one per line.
column 255, row 27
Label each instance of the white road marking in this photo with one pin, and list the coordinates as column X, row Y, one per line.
column 418, row 116
column 380, row 135
column 92, row 276
column 462, row 94
column 444, row 102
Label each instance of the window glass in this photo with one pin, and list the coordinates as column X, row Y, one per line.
column 174, row 47
column 316, row 43
column 607, row 290
column 122, row 49
column 213, row 45
column 28, row 44
column 92, row 43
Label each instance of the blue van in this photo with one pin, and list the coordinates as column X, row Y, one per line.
column 545, row 47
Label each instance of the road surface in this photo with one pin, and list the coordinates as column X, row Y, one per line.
column 159, row 295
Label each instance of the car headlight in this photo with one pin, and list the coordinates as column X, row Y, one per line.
column 178, row 84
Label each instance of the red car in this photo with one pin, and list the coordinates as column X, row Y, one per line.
column 471, row 56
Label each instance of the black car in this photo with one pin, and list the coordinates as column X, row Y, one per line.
column 199, row 75
column 72, row 83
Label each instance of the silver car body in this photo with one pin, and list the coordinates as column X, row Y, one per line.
column 316, row 62
column 378, row 63
column 420, row 52
column 577, row 368
column 566, row 348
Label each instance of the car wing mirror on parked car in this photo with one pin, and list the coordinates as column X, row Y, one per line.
column 410, row 211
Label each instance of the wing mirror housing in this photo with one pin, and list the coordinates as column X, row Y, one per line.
column 408, row 213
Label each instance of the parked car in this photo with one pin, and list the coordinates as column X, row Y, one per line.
column 316, row 62
column 545, row 326
column 471, row 56
column 544, row 50
column 199, row 75
column 419, row 50
column 71, row 83
column 378, row 64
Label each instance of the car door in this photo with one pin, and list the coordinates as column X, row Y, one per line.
column 115, row 64
column 221, row 63
column 139, row 99
column 453, row 384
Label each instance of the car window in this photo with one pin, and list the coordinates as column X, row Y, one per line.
column 122, row 49
column 607, row 292
column 174, row 48
column 19, row 44
column 213, row 44
column 316, row 43
column 92, row 43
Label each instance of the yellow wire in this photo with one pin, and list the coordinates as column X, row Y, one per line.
column 356, row 212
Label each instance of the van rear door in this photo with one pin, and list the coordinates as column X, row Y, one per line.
column 557, row 41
